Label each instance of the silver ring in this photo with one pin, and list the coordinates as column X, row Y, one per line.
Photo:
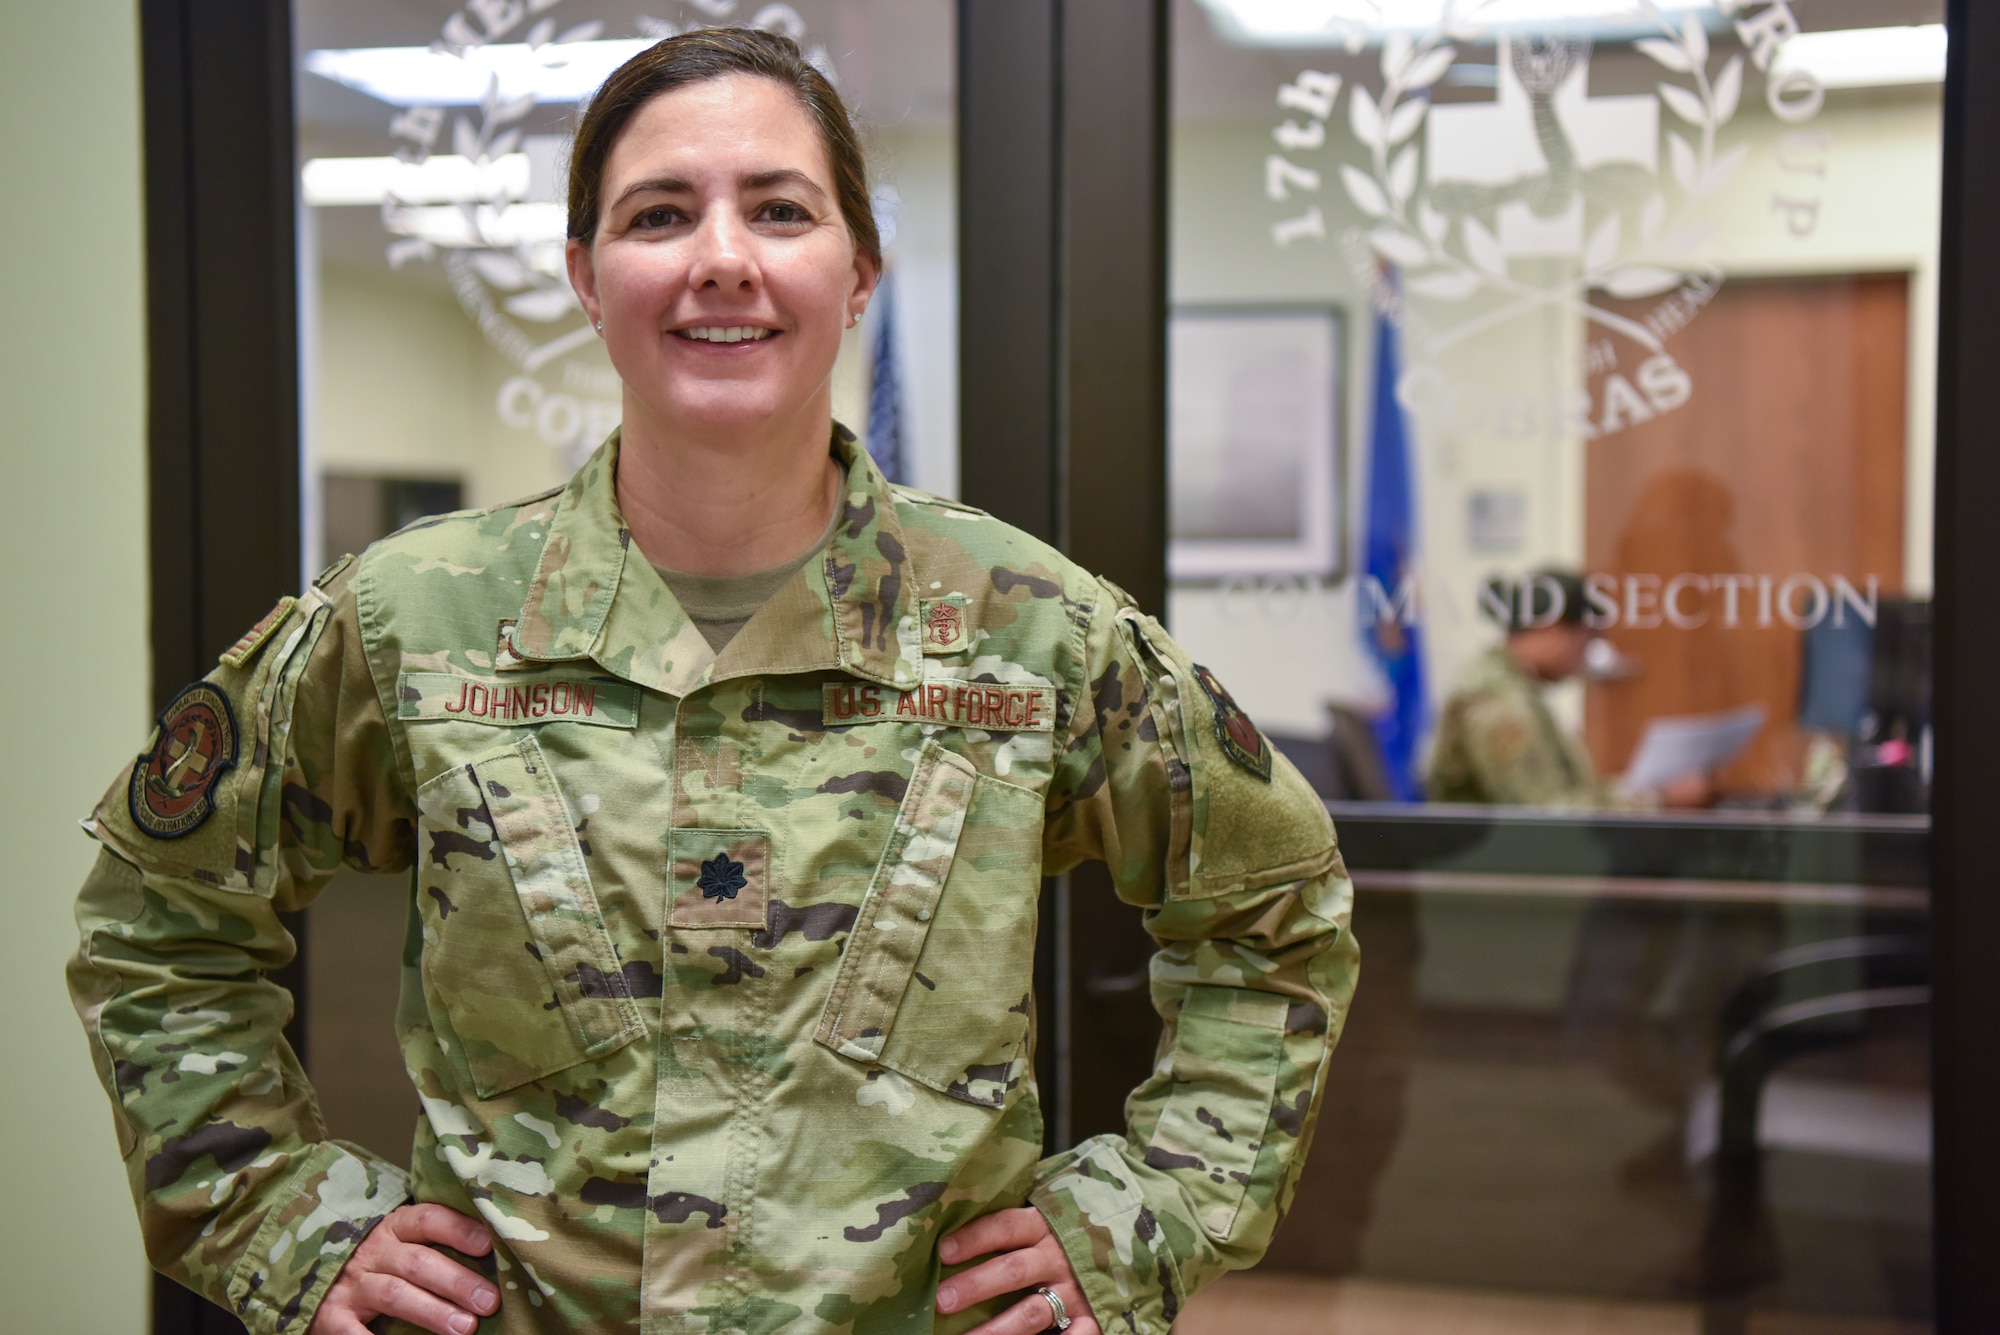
column 1061, row 1321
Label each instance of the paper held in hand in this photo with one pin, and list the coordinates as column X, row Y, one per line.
column 1691, row 744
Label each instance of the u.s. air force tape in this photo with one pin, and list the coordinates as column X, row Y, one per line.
column 516, row 701
column 992, row 706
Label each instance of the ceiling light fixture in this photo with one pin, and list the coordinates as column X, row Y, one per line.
column 1866, row 57
column 487, row 227
column 411, row 76
column 1334, row 22
column 443, row 178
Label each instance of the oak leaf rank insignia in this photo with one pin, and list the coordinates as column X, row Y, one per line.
column 1239, row 737
column 721, row 877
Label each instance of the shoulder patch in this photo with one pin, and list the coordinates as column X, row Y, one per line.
column 241, row 652
column 1239, row 737
column 172, row 789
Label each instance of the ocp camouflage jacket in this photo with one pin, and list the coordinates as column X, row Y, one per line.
column 717, row 985
column 1499, row 742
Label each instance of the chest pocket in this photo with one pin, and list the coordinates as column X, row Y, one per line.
column 516, row 961
column 936, row 979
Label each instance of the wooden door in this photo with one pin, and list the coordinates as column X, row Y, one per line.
column 1786, row 460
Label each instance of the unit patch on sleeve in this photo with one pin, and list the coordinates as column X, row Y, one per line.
column 1239, row 737
column 944, row 625
column 993, row 706
column 172, row 790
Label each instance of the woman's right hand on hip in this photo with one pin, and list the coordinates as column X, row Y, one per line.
column 396, row 1273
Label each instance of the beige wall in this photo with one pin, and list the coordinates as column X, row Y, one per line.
column 400, row 383
column 72, row 377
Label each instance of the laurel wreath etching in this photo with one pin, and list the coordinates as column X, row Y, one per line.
column 1416, row 234
column 529, row 292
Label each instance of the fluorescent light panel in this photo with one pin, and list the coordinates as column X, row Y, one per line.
column 410, row 76
column 532, row 225
column 440, row 179
column 1849, row 58
column 1327, row 22
column 1867, row 57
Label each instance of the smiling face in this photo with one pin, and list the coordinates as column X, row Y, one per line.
column 721, row 268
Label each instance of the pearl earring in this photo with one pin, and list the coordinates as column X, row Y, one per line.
column 600, row 326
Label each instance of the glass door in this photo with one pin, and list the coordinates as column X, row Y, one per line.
column 1489, row 318
column 445, row 363
column 1551, row 419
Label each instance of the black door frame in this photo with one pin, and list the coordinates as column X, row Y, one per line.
column 1965, row 837
column 1063, row 198
column 223, row 369
column 1062, row 170
column 1030, row 213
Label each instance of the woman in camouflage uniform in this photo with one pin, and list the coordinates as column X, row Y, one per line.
column 727, row 777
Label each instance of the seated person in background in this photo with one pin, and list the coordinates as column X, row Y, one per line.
column 1498, row 742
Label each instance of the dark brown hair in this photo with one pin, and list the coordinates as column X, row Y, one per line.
column 711, row 53
column 1551, row 595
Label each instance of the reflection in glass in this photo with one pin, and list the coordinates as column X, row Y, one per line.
column 442, row 339
column 1253, row 441
column 1642, row 1045
column 1620, row 244
column 446, row 362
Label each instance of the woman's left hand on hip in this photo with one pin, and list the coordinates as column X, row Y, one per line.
column 1025, row 1256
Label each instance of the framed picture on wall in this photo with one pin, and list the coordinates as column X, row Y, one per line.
column 1254, row 442
column 358, row 508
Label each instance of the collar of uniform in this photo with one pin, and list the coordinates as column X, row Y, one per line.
column 577, row 577
column 869, row 580
column 855, row 611
column 1501, row 669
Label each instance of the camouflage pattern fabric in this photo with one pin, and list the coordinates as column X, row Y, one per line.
column 718, row 981
column 1497, row 742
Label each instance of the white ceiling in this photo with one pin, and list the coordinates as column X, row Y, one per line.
column 1214, row 80
column 896, row 63
column 895, row 59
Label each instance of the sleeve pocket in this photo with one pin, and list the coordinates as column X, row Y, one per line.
column 1240, row 831
column 1225, row 1072
column 516, row 963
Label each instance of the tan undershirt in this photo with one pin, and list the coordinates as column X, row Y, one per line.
column 719, row 605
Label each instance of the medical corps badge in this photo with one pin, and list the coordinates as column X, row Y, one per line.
column 173, row 784
column 944, row 625
column 1241, row 741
